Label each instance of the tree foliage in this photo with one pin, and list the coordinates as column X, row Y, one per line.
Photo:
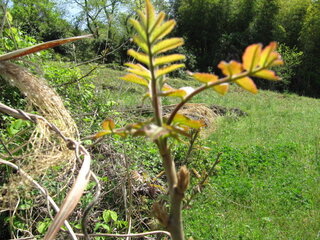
column 216, row 28
column 40, row 19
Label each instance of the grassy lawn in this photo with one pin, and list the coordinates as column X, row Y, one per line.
column 268, row 183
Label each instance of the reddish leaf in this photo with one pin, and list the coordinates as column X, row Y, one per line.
column 102, row 133
column 269, row 57
column 204, row 77
column 231, row 68
column 267, row 74
column 251, row 57
column 247, row 84
column 108, row 124
column 221, row 88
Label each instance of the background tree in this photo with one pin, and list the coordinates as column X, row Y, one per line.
column 309, row 41
column 40, row 19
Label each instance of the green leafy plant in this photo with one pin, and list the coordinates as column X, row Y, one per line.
column 109, row 220
column 151, row 73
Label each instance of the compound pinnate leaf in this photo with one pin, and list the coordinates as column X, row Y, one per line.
column 135, row 79
column 231, row 68
column 267, row 74
column 251, row 57
column 247, row 84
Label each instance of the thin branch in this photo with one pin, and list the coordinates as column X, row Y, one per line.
column 4, row 9
column 89, row 207
column 76, row 80
column 5, row 147
column 103, row 56
column 201, row 184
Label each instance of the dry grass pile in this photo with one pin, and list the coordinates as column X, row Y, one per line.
column 44, row 148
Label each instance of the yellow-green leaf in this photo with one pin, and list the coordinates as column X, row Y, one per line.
column 166, row 88
column 167, row 45
column 265, row 55
column 169, row 59
column 139, row 70
column 247, row 84
column 136, row 66
column 172, row 92
column 102, row 133
column 163, row 30
column 177, row 130
column 139, row 29
column 269, row 57
column 231, row 68
column 108, row 124
column 157, row 22
column 205, row 77
column 181, row 119
column 141, row 43
column 251, row 57
column 168, row 69
column 150, row 14
column 135, row 79
column 141, row 57
column 267, row 74
column 221, row 88
column 143, row 19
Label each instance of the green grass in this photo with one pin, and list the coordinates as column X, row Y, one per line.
column 268, row 185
